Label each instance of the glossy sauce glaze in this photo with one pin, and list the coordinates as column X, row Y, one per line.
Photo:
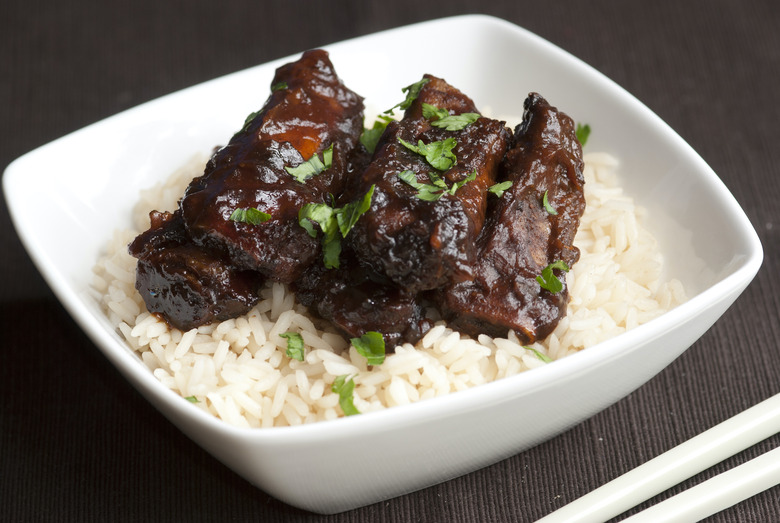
column 469, row 252
column 308, row 112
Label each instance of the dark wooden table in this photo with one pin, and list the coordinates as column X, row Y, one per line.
column 77, row 443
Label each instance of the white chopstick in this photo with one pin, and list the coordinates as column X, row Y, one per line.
column 718, row 493
column 683, row 461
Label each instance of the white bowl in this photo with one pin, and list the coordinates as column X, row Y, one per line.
column 66, row 198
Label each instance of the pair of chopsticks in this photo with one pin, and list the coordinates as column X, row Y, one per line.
column 683, row 461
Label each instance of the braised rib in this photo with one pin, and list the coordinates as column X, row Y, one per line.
column 420, row 244
column 521, row 237
column 309, row 113
column 185, row 284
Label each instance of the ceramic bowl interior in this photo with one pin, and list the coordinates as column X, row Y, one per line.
column 90, row 179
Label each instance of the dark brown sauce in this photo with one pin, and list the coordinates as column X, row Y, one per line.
column 471, row 254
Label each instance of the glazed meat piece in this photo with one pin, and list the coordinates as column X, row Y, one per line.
column 420, row 244
column 309, row 114
column 187, row 285
column 356, row 300
column 521, row 237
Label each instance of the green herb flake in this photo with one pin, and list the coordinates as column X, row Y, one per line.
column 348, row 215
column 370, row 137
column 294, row 345
column 425, row 191
column 247, row 122
column 456, row 122
column 312, row 166
column 335, row 223
column 544, row 357
column 249, row 215
column 371, row 346
column 431, row 112
column 431, row 192
column 412, row 92
column 547, row 207
column 582, row 132
column 438, row 154
column 323, row 215
column 345, row 388
column 192, row 399
column 280, row 86
column 548, row 280
column 442, row 119
column 457, row 185
column 500, row 188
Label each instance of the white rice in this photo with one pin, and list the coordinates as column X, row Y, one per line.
column 238, row 370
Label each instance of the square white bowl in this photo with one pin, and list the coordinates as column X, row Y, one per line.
column 89, row 180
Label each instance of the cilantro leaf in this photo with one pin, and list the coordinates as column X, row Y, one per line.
column 348, row 215
column 432, row 192
column 312, row 166
column 331, row 250
column 247, row 122
column 500, row 188
column 457, row 185
column 544, row 357
column 294, row 345
column 425, row 191
column 370, row 137
column 456, row 122
column 412, row 92
column 370, row 345
column 319, row 213
column 431, row 112
column 444, row 120
column 345, row 388
column 547, row 207
column 335, row 223
column 582, row 132
column 323, row 215
column 438, row 154
column 548, row 281
column 249, row 215
column 437, row 180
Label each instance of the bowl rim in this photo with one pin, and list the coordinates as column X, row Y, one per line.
column 125, row 360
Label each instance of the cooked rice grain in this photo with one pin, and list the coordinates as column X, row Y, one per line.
column 238, row 370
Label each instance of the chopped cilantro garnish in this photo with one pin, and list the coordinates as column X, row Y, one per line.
column 425, row 191
column 312, row 166
column 449, row 122
column 456, row 122
column 582, row 132
column 344, row 388
column 412, row 92
column 192, row 399
column 547, row 207
column 335, row 223
column 248, row 121
column 432, row 192
column 279, row 86
column 431, row 112
column 249, row 215
column 370, row 137
column 544, row 357
column 548, row 280
column 500, row 188
column 323, row 215
column 370, row 345
column 294, row 345
column 439, row 154
column 348, row 215
column 457, row 185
